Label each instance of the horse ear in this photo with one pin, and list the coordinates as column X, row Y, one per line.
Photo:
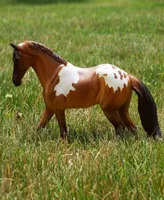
column 14, row 46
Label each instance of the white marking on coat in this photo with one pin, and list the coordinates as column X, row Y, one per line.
column 68, row 75
column 114, row 77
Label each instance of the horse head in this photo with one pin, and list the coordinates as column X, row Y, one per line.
column 22, row 61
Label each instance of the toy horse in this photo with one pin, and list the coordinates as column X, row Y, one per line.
column 67, row 86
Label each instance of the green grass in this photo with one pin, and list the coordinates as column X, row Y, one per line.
column 93, row 164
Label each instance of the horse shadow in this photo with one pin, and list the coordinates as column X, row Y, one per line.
column 83, row 137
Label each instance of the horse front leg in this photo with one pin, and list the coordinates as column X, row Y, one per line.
column 46, row 116
column 60, row 116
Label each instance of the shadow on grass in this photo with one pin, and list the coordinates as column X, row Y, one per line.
column 83, row 137
column 46, row 1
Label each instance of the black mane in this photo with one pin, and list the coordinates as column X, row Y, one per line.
column 48, row 51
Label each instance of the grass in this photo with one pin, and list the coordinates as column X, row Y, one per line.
column 93, row 164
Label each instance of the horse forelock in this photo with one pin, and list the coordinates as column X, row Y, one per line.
column 46, row 50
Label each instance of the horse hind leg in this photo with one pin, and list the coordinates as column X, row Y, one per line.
column 124, row 115
column 113, row 117
column 127, row 120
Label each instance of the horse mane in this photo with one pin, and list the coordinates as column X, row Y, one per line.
column 48, row 51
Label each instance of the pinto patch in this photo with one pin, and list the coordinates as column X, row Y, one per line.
column 114, row 77
column 68, row 75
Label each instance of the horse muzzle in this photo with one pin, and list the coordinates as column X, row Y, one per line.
column 16, row 83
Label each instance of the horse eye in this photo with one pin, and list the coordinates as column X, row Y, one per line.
column 17, row 57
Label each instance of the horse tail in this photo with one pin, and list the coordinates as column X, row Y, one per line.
column 146, row 108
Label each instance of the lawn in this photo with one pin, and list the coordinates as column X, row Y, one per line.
column 93, row 164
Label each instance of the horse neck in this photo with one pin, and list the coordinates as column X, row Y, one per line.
column 45, row 67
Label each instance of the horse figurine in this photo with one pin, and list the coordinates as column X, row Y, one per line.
column 67, row 86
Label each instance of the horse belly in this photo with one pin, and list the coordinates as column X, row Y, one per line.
column 85, row 93
column 81, row 98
